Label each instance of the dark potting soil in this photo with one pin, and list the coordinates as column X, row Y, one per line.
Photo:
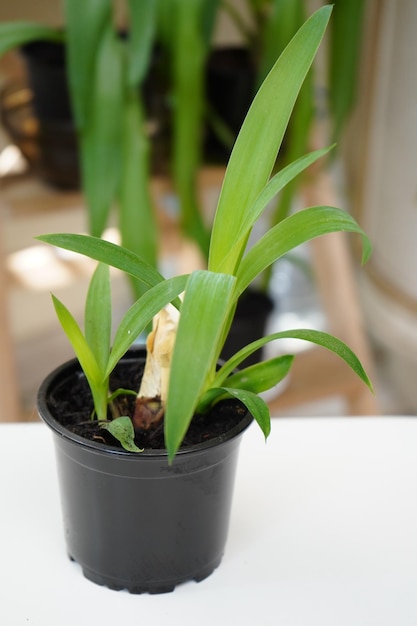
column 71, row 404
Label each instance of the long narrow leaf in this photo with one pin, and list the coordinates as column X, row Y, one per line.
column 344, row 55
column 137, row 221
column 101, row 137
column 279, row 181
column 97, row 317
column 256, row 147
column 255, row 378
column 15, row 34
column 140, row 314
column 274, row 186
column 141, row 35
column 208, row 22
column 106, row 252
column 203, row 313
column 290, row 233
column 188, row 88
column 261, row 376
column 255, row 405
column 78, row 343
column 85, row 23
column 317, row 337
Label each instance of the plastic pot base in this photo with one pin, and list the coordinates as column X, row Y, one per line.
column 151, row 588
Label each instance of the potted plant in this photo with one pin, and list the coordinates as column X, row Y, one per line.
column 146, row 476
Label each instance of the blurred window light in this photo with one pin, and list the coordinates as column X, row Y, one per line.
column 38, row 268
column 11, row 161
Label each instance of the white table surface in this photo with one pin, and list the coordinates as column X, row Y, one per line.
column 323, row 531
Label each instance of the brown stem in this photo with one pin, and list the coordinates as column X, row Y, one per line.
column 149, row 413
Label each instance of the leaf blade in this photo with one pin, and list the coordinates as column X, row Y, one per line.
column 122, row 429
column 97, row 382
column 106, row 252
column 206, row 304
column 261, row 376
column 142, row 29
column 79, row 343
column 294, row 230
column 97, row 317
column 317, row 337
column 271, row 189
column 256, row 406
column 101, row 135
column 17, row 33
column 85, row 23
column 255, row 378
column 261, row 134
column 137, row 220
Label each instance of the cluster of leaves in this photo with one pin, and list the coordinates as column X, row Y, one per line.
column 211, row 295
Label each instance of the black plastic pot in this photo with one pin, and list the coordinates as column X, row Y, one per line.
column 131, row 520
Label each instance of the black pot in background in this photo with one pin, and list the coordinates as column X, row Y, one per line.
column 157, row 104
column 131, row 520
column 57, row 159
column 249, row 324
column 230, row 87
column 46, row 67
column 57, row 147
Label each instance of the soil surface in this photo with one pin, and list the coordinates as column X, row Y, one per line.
column 71, row 404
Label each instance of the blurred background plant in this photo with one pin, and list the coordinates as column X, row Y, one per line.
column 152, row 80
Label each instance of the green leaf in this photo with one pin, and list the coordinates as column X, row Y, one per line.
column 102, row 133
column 141, row 35
column 140, row 314
column 137, row 220
column 204, row 311
column 278, row 182
column 274, row 186
column 78, row 342
column 121, row 392
column 290, row 233
column 97, row 383
column 317, row 337
column 16, row 34
column 97, row 318
column 106, row 252
column 85, row 24
column 261, row 376
column 255, row 378
column 165, row 16
column 256, row 147
column 256, row 406
column 122, row 429
column 344, row 56
column 188, row 93
column 210, row 11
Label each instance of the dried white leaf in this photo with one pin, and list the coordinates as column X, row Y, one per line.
column 160, row 345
